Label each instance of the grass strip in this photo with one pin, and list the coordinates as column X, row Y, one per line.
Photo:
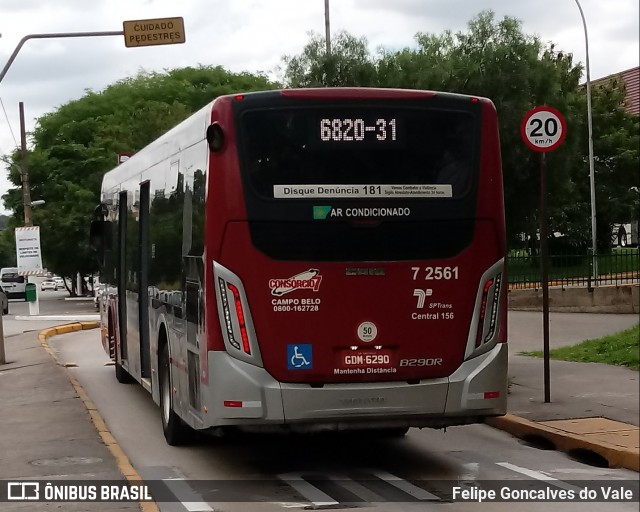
column 620, row 349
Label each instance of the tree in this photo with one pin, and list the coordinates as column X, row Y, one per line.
column 349, row 63
column 616, row 147
column 495, row 59
column 77, row 143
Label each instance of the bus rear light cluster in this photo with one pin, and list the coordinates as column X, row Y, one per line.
column 234, row 313
column 486, row 327
column 227, row 314
column 494, row 305
column 240, row 316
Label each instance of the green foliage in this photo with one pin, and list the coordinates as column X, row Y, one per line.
column 495, row 59
column 621, row 349
column 349, row 63
column 76, row 144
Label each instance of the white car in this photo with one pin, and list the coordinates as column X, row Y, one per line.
column 48, row 284
column 59, row 282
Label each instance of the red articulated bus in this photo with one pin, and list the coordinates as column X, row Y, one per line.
column 318, row 259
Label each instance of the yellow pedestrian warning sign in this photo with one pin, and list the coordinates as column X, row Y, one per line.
column 153, row 32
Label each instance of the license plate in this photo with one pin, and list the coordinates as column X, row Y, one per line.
column 366, row 359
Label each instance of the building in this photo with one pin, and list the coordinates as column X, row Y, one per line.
column 629, row 79
column 626, row 234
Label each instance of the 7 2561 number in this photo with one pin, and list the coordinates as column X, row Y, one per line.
column 436, row 273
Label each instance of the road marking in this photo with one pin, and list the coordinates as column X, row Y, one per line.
column 355, row 487
column 183, row 491
column 538, row 476
column 309, row 491
column 470, row 472
column 405, row 486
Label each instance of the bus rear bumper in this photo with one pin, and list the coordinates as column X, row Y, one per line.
column 247, row 396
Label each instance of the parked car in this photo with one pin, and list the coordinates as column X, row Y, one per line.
column 5, row 302
column 59, row 282
column 12, row 283
column 48, row 284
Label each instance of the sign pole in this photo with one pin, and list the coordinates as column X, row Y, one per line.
column 543, row 129
column 544, row 256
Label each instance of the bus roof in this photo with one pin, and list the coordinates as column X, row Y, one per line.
column 193, row 129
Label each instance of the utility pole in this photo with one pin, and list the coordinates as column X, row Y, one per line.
column 24, row 170
column 34, row 306
column 327, row 30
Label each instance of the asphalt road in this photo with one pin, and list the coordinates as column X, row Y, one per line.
column 271, row 473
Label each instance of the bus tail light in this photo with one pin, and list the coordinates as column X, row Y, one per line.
column 483, row 310
column 235, row 318
column 240, row 315
column 488, row 312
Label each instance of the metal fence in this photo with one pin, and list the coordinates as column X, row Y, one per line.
column 617, row 268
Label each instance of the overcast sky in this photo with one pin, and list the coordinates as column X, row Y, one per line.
column 253, row 35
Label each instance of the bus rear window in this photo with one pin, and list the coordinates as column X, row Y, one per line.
column 358, row 152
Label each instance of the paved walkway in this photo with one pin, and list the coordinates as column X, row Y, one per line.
column 46, row 431
column 601, row 402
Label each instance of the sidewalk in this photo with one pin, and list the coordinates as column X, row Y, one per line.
column 593, row 409
column 46, row 431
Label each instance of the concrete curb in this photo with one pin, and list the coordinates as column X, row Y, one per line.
column 616, row 456
column 123, row 462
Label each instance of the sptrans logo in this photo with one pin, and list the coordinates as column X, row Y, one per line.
column 307, row 280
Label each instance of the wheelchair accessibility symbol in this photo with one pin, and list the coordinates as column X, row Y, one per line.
column 299, row 357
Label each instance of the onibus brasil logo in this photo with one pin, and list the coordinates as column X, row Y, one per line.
column 307, row 280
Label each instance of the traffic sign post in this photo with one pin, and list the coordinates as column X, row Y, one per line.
column 543, row 129
column 29, row 259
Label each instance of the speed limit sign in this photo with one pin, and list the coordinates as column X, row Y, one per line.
column 543, row 129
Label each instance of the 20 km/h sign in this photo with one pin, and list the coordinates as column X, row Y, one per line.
column 543, row 129
column 153, row 32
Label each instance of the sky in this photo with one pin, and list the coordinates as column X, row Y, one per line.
column 254, row 35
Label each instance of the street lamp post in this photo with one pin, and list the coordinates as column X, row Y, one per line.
column 592, row 179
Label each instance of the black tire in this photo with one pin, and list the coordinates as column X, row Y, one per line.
column 122, row 376
column 175, row 431
column 5, row 311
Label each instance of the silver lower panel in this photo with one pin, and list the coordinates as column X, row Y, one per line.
column 477, row 389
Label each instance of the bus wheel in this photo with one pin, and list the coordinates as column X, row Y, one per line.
column 122, row 376
column 175, row 431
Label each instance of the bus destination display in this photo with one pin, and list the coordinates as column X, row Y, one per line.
column 358, row 130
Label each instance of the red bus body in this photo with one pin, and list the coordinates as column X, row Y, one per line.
column 363, row 301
